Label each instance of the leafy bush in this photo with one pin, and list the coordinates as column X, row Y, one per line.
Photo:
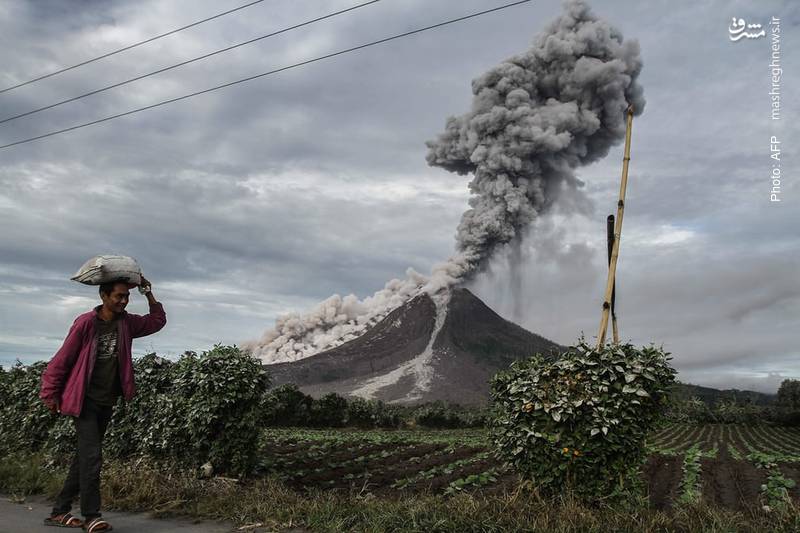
column 690, row 410
column 198, row 409
column 287, row 405
column 372, row 414
column 724, row 411
column 25, row 422
column 731, row 412
column 789, row 394
column 579, row 423
column 440, row 415
column 788, row 402
column 330, row 411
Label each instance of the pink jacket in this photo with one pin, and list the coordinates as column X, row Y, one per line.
column 70, row 370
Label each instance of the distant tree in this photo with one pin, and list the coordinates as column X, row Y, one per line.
column 287, row 405
column 329, row 411
column 789, row 394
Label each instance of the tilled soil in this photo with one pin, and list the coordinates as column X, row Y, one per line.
column 303, row 461
column 663, row 475
column 730, row 483
column 383, row 481
column 506, row 483
column 338, row 475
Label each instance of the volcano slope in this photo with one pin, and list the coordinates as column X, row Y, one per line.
column 420, row 352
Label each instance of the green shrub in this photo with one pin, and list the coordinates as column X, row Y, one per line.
column 373, row 414
column 578, row 423
column 201, row 408
column 360, row 413
column 213, row 410
column 689, row 410
column 441, row 415
column 732, row 412
column 329, row 411
column 150, row 423
column 25, row 422
column 788, row 402
column 287, row 405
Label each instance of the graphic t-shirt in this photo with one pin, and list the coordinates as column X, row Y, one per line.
column 104, row 387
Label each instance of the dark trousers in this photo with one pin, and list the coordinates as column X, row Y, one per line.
column 84, row 472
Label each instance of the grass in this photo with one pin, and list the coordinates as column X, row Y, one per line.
column 143, row 486
column 23, row 475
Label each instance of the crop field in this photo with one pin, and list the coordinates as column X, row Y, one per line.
column 385, row 462
column 729, row 465
column 734, row 466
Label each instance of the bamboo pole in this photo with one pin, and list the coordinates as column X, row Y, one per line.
column 612, row 267
column 610, row 238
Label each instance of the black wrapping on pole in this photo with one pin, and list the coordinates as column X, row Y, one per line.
column 610, row 236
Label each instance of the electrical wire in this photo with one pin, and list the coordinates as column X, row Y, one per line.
column 151, row 39
column 295, row 65
column 182, row 63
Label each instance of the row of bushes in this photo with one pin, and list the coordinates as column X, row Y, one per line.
column 695, row 410
column 206, row 407
column 287, row 405
column 740, row 408
column 197, row 409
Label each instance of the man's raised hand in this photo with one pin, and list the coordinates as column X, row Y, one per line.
column 144, row 286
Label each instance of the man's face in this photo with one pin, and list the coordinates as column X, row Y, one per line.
column 118, row 298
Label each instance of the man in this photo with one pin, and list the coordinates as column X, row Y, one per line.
column 84, row 380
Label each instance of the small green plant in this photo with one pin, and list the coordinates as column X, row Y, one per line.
column 775, row 492
column 578, row 423
column 734, row 452
column 690, row 483
column 472, row 481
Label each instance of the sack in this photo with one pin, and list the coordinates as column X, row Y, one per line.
column 104, row 268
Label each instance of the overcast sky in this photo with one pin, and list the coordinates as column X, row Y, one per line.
column 270, row 196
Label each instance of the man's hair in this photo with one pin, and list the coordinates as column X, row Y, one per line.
column 108, row 288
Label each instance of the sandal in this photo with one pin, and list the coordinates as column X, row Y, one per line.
column 63, row 520
column 97, row 524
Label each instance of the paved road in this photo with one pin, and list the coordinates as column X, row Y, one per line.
column 28, row 516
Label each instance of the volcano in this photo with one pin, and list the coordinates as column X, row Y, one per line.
column 444, row 347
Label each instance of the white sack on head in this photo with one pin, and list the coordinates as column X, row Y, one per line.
column 104, row 268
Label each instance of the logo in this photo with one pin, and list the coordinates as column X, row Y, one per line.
column 736, row 30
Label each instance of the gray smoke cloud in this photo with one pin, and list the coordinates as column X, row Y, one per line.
column 535, row 118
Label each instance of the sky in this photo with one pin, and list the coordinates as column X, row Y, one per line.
column 267, row 197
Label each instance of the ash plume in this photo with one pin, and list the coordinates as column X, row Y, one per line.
column 535, row 118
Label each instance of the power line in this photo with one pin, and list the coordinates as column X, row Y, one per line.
column 151, row 39
column 295, row 65
column 205, row 56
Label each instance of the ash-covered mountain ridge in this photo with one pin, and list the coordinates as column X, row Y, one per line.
column 431, row 348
